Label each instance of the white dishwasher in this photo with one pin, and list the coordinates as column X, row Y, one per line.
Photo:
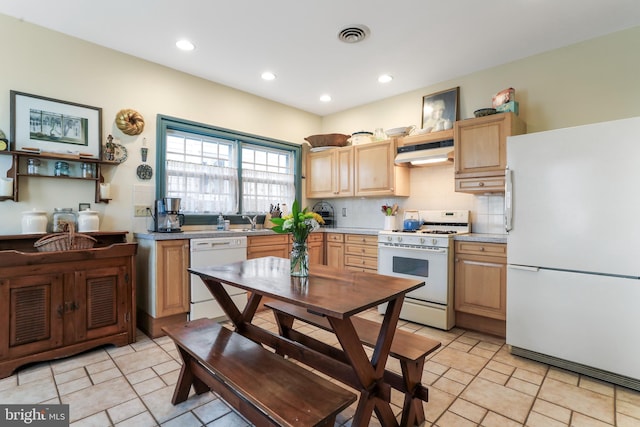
column 210, row 252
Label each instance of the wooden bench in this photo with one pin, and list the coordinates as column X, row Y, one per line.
column 264, row 387
column 410, row 349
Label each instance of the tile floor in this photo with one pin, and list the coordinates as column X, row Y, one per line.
column 472, row 379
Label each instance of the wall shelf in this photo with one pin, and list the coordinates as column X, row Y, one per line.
column 18, row 169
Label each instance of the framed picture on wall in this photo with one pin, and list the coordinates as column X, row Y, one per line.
column 48, row 125
column 440, row 110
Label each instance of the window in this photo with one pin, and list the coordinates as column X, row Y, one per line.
column 217, row 170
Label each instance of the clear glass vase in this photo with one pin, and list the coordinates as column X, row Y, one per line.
column 299, row 259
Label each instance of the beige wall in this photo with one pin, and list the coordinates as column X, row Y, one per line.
column 587, row 82
column 46, row 63
column 597, row 80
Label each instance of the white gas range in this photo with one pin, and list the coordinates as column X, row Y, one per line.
column 426, row 254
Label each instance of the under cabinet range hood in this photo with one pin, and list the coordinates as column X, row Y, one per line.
column 425, row 154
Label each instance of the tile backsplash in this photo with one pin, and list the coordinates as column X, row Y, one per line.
column 488, row 214
column 431, row 188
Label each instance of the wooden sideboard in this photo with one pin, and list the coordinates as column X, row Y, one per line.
column 56, row 304
column 24, row 242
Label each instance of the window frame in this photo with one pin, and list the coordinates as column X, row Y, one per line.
column 165, row 123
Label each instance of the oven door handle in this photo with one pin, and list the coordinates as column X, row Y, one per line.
column 435, row 251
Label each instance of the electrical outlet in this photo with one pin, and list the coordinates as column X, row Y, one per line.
column 344, row 211
column 141, row 211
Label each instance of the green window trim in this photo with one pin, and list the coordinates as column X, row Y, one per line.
column 166, row 123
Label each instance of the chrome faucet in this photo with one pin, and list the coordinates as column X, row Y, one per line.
column 251, row 220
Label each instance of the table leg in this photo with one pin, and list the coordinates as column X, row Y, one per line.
column 375, row 393
column 228, row 306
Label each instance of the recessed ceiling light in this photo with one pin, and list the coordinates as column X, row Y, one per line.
column 325, row 98
column 385, row 78
column 268, row 75
column 185, row 45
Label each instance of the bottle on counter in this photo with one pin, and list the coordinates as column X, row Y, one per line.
column 220, row 222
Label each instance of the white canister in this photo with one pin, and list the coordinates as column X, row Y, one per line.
column 88, row 221
column 34, row 222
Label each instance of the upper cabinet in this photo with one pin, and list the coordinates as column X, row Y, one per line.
column 376, row 173
column 480, row 151
column 360, row 170
column 330, row 173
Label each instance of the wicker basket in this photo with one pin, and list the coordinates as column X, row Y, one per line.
column 328, row 140
column 64, row 241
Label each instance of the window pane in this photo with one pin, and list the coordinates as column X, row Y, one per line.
column 265, row 182
column 200, row 169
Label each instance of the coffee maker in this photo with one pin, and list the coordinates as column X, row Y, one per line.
column 167, row 218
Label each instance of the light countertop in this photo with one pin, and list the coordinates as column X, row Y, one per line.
column 203, row 234
column 482, row 237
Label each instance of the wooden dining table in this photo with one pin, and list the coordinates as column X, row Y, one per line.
column 336, row 294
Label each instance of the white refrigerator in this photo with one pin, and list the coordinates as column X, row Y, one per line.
column 572, row 212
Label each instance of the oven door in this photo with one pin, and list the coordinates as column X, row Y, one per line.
column 428, row 264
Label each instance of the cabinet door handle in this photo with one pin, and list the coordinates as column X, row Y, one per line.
column 481, row 184
column 60, row 311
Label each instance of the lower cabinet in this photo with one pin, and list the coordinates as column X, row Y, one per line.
column 361, row 252
column 271, row 245
column 163, row 285
column 481, row 286
column 55, row 304
column 315, row 246
column 279, row 245
column 334, row 253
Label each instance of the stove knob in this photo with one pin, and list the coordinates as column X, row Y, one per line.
column 399, row 239
column 422, row 240
column 434, row 241
column 389, row 238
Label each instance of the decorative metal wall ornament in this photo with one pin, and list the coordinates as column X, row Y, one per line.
column 130, row 122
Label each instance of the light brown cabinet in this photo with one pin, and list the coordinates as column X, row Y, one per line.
column 163, row 285
column 279, row 245
column 481, row 286
column 361, row 170
column 480, row 151
column 315, row 246
column 361, row 252
column 272, row 245
column 334, row 254
column 330, row 173
column 376, row 173
column 55, row 304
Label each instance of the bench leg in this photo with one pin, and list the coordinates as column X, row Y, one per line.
column 186, row 379
column 412, row 411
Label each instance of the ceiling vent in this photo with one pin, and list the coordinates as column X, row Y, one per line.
column 354, row 34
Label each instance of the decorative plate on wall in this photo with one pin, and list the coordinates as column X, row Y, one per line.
column 120, row 153
column 144, row 171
